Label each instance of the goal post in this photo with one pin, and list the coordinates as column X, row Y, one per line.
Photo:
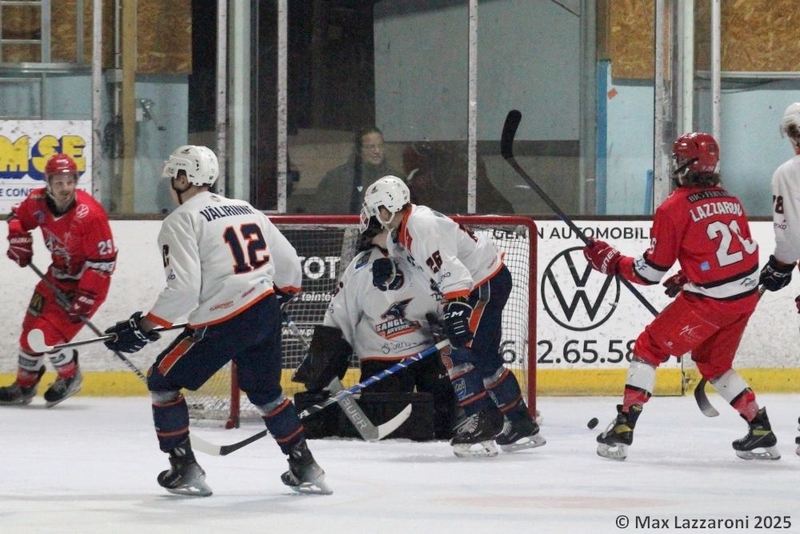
column 326, row 245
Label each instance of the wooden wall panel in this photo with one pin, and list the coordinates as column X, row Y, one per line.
column 756, row 36
column 164, row 34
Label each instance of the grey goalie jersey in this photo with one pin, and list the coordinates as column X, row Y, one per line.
column 385, row 325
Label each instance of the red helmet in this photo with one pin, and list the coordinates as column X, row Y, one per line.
column 60, row 164
column 697, row 152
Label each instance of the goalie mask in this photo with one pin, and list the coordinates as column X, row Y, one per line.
column 389, row 192
column 696, row 157
column 790, row 125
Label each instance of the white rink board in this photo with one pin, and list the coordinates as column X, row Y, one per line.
column 584, row 321
column 771, row 339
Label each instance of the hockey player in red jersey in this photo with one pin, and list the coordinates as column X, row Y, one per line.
column 77, row 234
column 704, row 228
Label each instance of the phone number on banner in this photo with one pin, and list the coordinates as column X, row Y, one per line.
column 586, row 351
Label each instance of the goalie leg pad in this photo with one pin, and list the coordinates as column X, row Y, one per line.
column 328, row 357
column 171, row 418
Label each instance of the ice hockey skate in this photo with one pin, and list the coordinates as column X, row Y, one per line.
column 19, row 395
column 63, row 388
column 475, row 434
column 760, row 441
column 613, row 443
column 797, row 439
column 16, row 394
column 304, row 474
column 519, row 435
column 185, row 476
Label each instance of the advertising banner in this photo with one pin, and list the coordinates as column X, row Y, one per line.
column 25, row 147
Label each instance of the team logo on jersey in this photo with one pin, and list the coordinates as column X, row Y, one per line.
column 574, row 295
column 395, row 323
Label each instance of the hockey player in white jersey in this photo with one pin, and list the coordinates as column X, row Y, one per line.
column 468, row 271
column 226, row 268
column 777, row 273
column 382, row 326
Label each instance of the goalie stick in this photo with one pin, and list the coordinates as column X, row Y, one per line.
column 700, row 390
column 37, row 343
column 223, row 450
column 366, row 429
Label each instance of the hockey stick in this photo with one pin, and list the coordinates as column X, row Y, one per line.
column 64, row 302
column 700, row 390
column 351, row 409
column 37, row 343
column 223, row 450
column 507, row 150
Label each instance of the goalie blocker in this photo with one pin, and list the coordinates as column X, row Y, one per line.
column 328, row 358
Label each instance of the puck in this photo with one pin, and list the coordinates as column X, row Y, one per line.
column 592, row 422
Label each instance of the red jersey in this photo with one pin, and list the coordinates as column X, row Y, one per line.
column 80, row 241
column 706, row 231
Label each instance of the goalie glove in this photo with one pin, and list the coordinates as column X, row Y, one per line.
column 130, row 337
column 456, row 322
column 385, row 274
column 602, row 257
column 775, row 275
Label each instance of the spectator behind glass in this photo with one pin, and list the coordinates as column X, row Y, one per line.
column 340, row 190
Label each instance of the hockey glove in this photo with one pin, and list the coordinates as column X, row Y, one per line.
column 456, row 323
column 20, row 246
column 775, row 275
column 385, row 274
column 674, row 284
column 82, row 304
column 130, row 337
column 602, row 256
column 284, row 297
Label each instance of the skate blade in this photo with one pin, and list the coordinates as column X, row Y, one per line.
column 318, row 487
column 528, row 442
column 50, row 404
column 618, row 451
column 197, row 489
column 761, row 453
column 483, row 449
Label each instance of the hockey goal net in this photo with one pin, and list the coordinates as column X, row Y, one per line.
column 326, row 245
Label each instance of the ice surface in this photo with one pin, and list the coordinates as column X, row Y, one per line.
column 90, row 465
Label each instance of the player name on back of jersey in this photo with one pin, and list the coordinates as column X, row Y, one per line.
column 217, row 212
column 715, row 208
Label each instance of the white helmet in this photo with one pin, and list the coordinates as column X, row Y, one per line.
column 791, row 119
column 391, row 193
column 199, row 162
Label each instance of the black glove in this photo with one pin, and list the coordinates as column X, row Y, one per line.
column 775, row 276
column 130, row 337
column 456, row 323
column 386, row 275
column 284, row 297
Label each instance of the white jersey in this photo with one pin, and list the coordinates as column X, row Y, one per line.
column 382, row 324
column 220, row 256
column 452, row 256
column 786, row 210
